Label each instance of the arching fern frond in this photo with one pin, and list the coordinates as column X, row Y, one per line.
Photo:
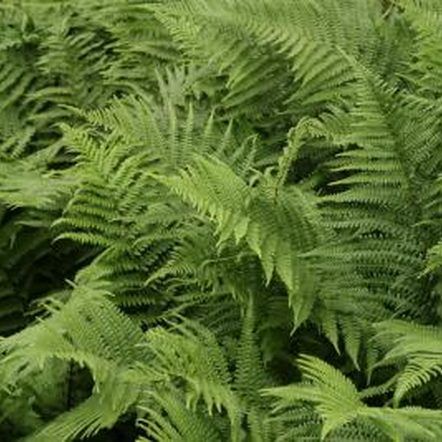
column 338, row 403
column 418, row 347
column 257, row 215
column 243, row 37
column 190, row 353
column 179, row 423
column 90, row 331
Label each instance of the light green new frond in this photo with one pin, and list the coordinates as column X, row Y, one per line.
column 204, row 186
column 420, row 347
column 336, row 398
column 260, row 217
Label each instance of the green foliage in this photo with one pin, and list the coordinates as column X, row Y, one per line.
column 220, row 220
column 340, row 408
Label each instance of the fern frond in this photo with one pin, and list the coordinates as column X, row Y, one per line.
column 250, row 374
column 190, row 352
column 416, row 345
column 257, row 216
column 91, row 331
column 181, row 423
column 338, row 403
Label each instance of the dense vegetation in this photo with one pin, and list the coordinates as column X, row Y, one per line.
column 221, row 220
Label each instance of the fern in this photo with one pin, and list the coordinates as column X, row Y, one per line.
column 419, row 347
column 204, row 208
column 337, row 402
